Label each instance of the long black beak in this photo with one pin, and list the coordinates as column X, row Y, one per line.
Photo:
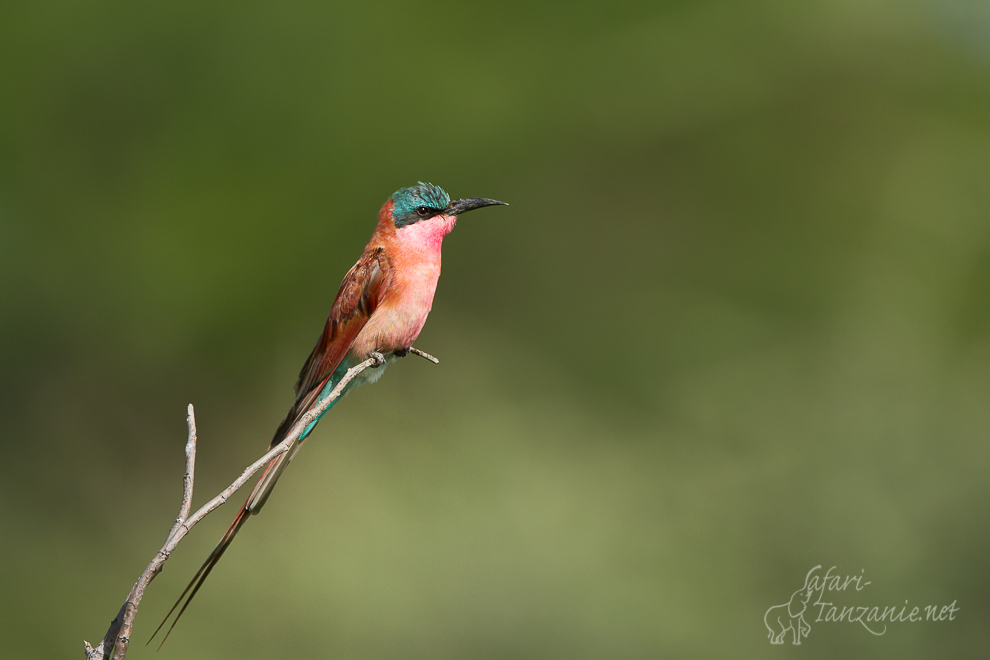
column 459, row 206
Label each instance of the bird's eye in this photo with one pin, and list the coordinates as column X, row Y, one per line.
column 423, row 211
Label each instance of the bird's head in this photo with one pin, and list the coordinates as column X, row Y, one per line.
column 425, row 201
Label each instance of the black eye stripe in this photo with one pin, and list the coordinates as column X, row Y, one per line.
column 416, row 214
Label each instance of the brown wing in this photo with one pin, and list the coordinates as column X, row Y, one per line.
column 358, row 297
column 356, row 301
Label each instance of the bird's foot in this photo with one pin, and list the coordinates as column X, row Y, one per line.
column 377, row 357
column 401, row 352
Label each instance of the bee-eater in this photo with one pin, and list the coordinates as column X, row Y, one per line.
column 381, row 307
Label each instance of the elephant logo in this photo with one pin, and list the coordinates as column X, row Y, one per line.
column 790, row 615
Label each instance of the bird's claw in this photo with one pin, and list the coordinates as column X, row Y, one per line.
column 378, row 358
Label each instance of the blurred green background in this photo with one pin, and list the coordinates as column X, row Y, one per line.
column 734, row 324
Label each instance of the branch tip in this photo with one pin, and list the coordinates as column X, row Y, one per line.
column 424, row 355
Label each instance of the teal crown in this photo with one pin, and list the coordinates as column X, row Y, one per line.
column 406, row 201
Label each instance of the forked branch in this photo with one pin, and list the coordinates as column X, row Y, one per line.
column 115, row 642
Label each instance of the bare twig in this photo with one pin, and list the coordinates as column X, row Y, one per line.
column 187, row 478
column 424, row 355
column 115, row 642
column 119, row 634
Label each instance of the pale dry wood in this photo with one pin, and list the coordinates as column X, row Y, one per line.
column 115, row 642
column 424, row 355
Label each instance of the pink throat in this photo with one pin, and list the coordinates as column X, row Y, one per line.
column 427, row 234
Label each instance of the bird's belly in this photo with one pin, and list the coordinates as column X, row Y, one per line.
column 397, row 322
column 390, row 330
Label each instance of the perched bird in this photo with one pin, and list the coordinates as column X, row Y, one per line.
column 381, row 307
